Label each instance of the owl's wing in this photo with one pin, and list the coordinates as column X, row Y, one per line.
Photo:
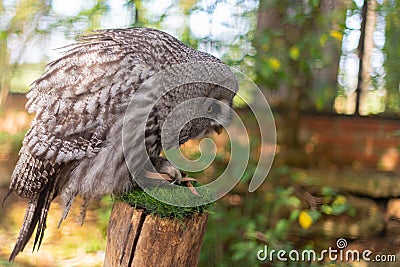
column 75, row 101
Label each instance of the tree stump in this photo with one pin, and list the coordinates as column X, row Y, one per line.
column 138, row 239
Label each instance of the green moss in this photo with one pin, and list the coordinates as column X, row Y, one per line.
column 142, row 200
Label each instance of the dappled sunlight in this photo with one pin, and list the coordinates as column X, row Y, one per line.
column 332, row 83
column 69, row 245
column 13, row 122
column 345, row 104
column 389, row 160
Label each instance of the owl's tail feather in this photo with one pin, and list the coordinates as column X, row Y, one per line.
column 5, row 197
column 35, row 215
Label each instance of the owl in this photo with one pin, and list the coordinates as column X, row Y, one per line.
column 98, row 88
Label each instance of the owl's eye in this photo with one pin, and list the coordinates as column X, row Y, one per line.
column 214, row 108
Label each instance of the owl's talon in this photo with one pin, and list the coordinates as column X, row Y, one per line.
column 163, row 166
column 157, row 176
column 167, row 171
column 191, row 188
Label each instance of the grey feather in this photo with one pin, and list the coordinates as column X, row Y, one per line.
column 74, row 145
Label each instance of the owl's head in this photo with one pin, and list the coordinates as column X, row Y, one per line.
column 193, row 98
column 194, row 111
column 210, row 114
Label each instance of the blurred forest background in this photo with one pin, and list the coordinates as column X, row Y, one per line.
column 329, row 69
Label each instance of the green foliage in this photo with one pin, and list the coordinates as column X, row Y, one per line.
column 292, row 47
column 103, row 214
column 5, row 263
column 332, row 203
column 33, row 20
column 238, row 230
column 392, row 51
column 246, row 228
column 338, row 206
column 14, row 139
column 23, row 76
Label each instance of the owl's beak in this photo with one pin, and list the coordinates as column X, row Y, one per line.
column 218, row 129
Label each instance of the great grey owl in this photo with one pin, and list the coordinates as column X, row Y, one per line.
column 74, row 145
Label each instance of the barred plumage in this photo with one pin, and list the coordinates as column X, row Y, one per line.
column 74, row 143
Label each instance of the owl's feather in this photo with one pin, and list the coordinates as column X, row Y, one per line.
column 74, row 143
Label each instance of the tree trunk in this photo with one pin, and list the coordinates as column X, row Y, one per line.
column 137, row 239
column 365, row 48
column 325, row 78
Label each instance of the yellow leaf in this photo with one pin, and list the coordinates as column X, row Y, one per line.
column 294, row 53
column 269, row 197
column 323, row 39
column 340, row 200
column 373, row 209
column 274, row 63
column 305, row 219
column 336, row 34
column 187, row 5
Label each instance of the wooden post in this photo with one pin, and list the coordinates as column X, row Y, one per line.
column 137, row 239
